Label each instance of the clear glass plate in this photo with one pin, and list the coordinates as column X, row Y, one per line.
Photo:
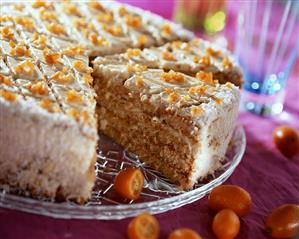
column 158, row 196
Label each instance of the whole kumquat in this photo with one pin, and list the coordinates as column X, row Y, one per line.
column 184, row 233
column 226, row 224
column 129, row 183
column 283, row 222
column 144, row 226
column 286, row 140
column 230, row 197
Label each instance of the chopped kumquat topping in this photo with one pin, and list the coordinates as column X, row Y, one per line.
column 51, row 58
column 9, row 96
column 173, row 77
column 25, row 67
column 7, row 33
column 205, row 77
column 133, row 52
column 73, row 97
column 82, row 67
column 38, row 88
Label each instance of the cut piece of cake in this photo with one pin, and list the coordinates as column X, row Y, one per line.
column 177, row 124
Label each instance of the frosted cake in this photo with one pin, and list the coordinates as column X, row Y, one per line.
column 53, row 100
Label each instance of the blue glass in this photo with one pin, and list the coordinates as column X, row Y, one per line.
column 267, row 47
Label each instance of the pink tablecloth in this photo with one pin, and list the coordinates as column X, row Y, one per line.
column 271, row 180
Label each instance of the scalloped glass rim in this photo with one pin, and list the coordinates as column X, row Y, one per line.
column 111, row 212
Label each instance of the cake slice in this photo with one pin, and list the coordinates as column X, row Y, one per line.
column 178, row 124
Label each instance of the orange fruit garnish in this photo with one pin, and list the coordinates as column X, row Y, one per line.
column 230, row 197
column 184, row 233
column 226, row 224
column 283, row 222
column 144, row 226
column 129, row 183
column 286, row 140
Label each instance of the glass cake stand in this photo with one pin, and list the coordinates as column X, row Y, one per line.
column 158, row 196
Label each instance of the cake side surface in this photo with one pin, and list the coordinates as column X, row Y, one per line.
column 45, row 154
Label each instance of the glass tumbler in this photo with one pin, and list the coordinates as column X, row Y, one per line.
column 267, row 45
